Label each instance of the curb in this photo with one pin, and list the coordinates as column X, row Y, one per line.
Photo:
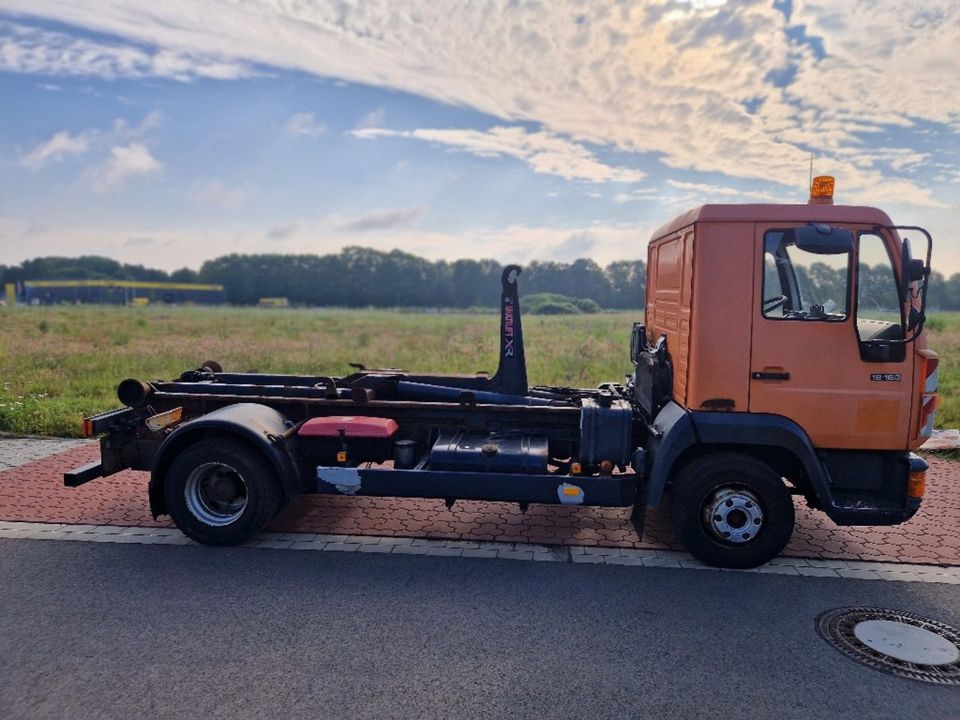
column 576, row 554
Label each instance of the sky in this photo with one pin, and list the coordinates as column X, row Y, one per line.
column 168, row 133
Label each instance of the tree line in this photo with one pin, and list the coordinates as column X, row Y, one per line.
column 363, row 277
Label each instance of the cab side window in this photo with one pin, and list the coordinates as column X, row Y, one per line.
column 802, row 285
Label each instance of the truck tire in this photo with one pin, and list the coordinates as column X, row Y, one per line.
column 221, row 492
column 731, row 510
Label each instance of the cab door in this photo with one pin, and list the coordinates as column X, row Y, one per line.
column 825, row 330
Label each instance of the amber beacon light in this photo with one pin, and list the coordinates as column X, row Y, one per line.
column 821, row 190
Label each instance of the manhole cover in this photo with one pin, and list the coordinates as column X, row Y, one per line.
column 899, row 643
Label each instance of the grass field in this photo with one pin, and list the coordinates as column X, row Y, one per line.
column 59, row 364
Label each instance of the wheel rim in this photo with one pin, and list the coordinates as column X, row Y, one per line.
column 216, row 494
column 733, row 515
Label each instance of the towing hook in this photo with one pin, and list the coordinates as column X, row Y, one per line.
column 506, row 280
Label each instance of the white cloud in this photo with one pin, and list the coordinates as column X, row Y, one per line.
column 27, row 49
column 55, row 149
column 636, row 195
column 127, row 155
column 305, row 124
column 124, row 162
column 734, row 88
column 730, row 194
column 544, row 152
column 166, row 247
column 381, row 220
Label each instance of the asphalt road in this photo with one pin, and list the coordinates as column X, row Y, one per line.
column 132, row 631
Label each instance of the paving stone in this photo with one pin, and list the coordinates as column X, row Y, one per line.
column 48, row 528
column 946, row 579
column 550, row 557
column 515, row 555
column 818, row 572
column 342, row 547
column 396, row 541
column 861, row 564
column 320, row 537
column 695, row 565
column 410, row 550
column 15, row 452
column 898, row 576
column 443, row 551
column 618, row 560
column 140, row 531
column 298, row 536
column 80, row 529
column 132, row 539
column 275, row 544
column 643, row 553
column 776, row 570
column 858, row 574
column 660, row 562
column 588, row 559
column 603, row 551
column 383, row 549
column 479, row 553
column 308, row 545
column 789, row 561
column 833, row 564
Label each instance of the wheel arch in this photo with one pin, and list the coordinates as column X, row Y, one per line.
column 256, row 426
column 683, row 436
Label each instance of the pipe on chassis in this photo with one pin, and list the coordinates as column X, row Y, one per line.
column 439, row 393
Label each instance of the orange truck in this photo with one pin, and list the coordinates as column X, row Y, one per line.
column 782, row 356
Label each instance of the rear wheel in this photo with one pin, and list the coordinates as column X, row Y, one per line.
column 731, row 510
column 221, row 492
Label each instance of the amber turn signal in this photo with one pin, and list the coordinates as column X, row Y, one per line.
column 917, row 484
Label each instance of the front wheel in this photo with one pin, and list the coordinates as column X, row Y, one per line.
column 221, row 492
column 731, row 510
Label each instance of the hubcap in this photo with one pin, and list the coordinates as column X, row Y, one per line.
column 216, row 494
column 733, row 515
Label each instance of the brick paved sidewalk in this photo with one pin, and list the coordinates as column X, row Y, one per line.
column 34, row 492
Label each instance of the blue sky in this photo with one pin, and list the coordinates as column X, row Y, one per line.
column 170, row 133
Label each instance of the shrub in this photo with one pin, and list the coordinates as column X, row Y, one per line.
column 555, row 304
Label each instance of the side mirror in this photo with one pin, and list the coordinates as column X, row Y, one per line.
column 916, row 270
column 820, row 239
column 911, row 271
column 905, row 262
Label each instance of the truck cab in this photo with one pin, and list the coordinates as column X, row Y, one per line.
column 790, row 334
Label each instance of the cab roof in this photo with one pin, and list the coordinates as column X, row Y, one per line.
column 759, row 212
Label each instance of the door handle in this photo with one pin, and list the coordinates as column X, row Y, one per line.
column 770, row 375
